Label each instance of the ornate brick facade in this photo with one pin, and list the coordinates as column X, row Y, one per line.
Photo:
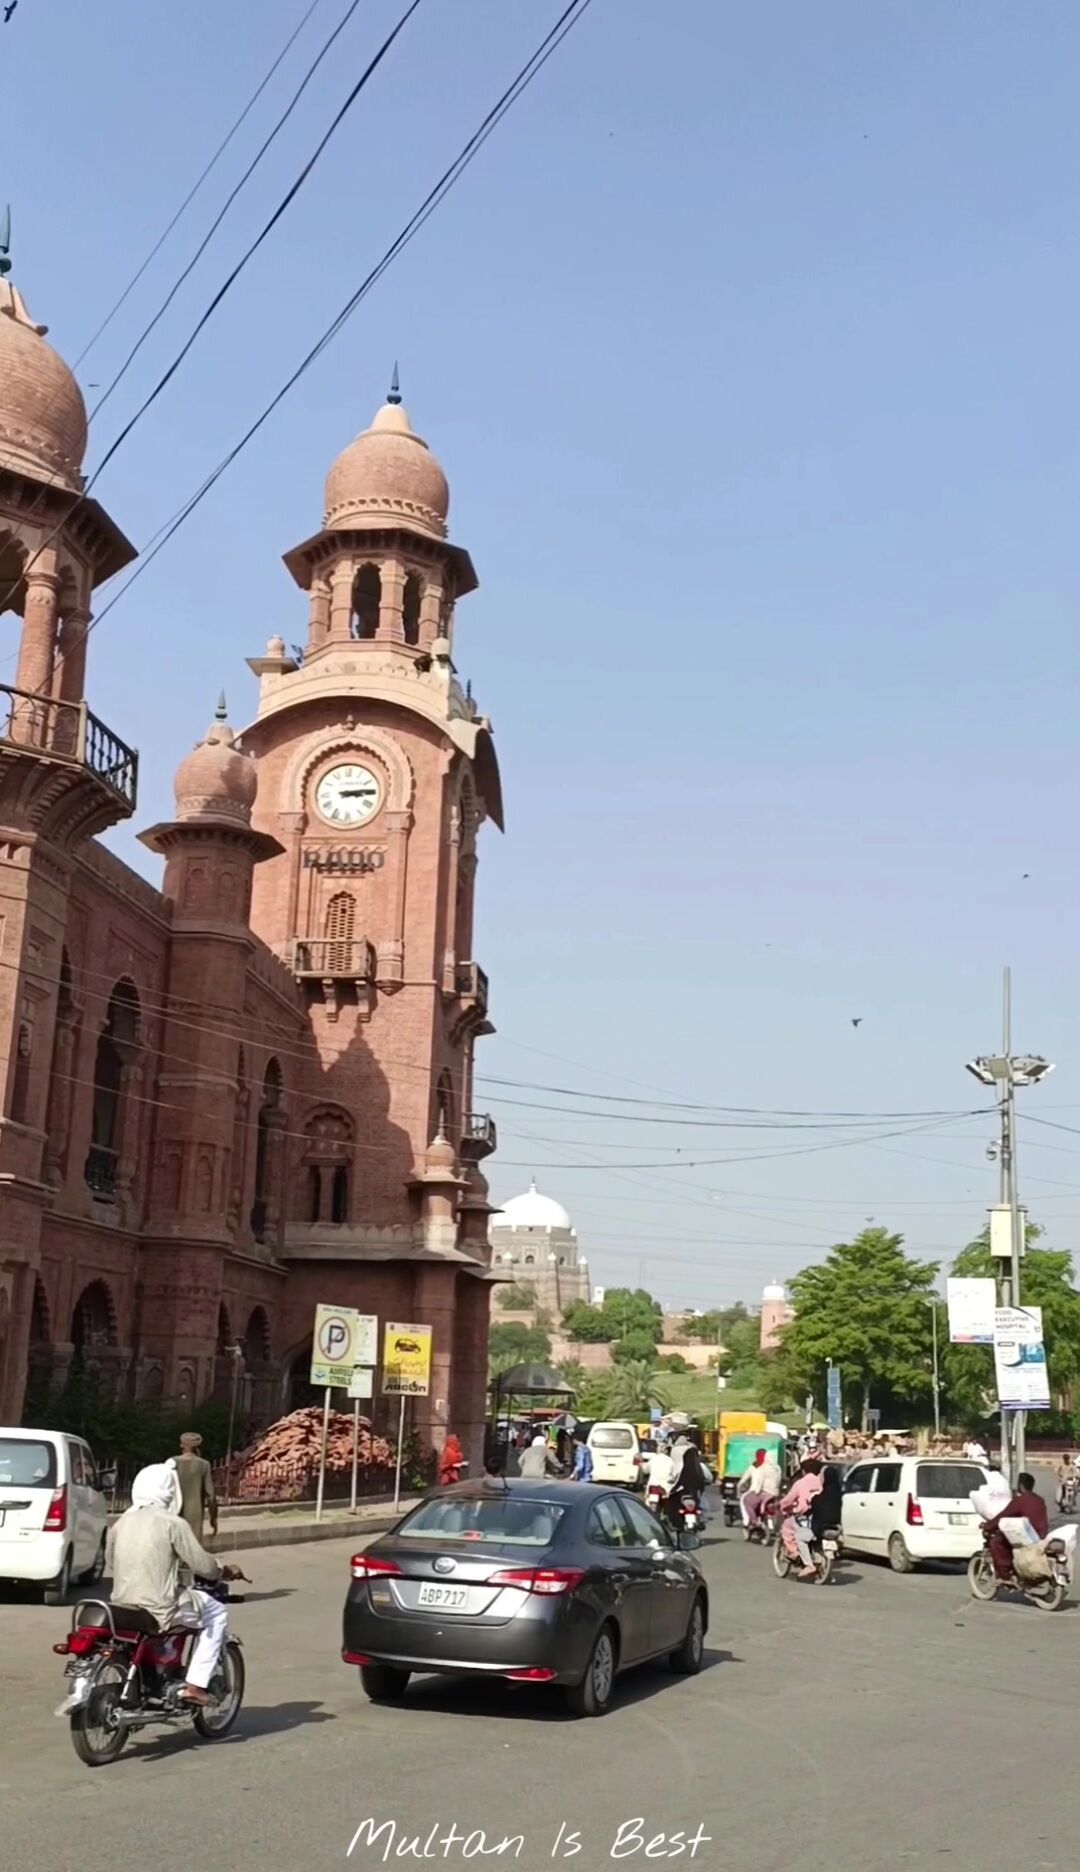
column 250, row 1091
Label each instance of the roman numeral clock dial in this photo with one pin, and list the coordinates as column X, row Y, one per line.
column 348, row 795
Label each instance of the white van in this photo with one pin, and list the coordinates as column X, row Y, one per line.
column 53, row 1515
column 912, row 1508
column 616, row 1453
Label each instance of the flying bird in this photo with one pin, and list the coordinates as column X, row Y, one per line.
column 1027, row 874
column 857, row 1023
column 9, row 10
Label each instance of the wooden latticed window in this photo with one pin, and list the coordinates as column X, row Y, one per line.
column 340, row 924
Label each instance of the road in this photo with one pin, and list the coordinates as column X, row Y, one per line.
column 878, row 1723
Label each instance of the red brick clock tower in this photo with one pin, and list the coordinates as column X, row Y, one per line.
column 375, row 773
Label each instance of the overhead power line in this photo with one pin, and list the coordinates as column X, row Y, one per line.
column 225, row 288
column 569, row 18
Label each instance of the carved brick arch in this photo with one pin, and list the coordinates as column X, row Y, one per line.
column 257, row 1349
column 351, row 744
column 93, row 1319
column 325, row 1187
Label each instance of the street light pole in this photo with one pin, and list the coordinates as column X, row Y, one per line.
column 932, row 1303
column 1006, row 1071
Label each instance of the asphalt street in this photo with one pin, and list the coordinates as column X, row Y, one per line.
column 879, row 1722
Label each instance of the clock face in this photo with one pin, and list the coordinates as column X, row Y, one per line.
column 348, row 795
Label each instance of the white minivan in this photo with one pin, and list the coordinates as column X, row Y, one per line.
column 912, row 1508
column 616, row 1453
column 53, row 1515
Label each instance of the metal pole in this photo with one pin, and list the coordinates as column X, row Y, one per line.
column 322, row 1453
column 937, row 1382
column 355, row 1452
column 1008, row 1292
column 400, row 1451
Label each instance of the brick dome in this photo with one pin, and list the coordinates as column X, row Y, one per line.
column 216, row 781
column 388, row 477
column 42, row 413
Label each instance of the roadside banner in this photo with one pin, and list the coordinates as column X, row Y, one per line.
column 972, row 1307
column 1020, row 1359
column 406, row 1360
column 342, row 1339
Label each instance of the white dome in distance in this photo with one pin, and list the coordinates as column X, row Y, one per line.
column 531, row 1211
column 774, row 1291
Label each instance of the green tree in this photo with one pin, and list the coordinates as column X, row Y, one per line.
column 585, row 1324
column 515, row 1344
column 626, row 1310
column 1046, row 1280
column 516, row 1296
column 636, row 1348
column 863, row 1307
column 594, row 1398
column 635, row 1388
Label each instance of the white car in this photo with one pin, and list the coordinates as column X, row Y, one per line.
column 616, row 1453
column 912, row 1508
column 53, row 1515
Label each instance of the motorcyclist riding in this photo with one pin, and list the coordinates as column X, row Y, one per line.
column 150, row 1543
column 758, row 1485
column 795, row 1529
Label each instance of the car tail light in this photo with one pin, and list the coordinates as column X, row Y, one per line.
column 56, row 1518
column 914, row 1513
column 536, row 1675
column 354, row 1657
column 544, row 1580
column 369, row 1566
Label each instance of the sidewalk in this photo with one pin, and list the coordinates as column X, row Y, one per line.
column 242, row 1529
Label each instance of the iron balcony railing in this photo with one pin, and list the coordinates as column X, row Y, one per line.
column 100, row 1172
column 480, row 1136
column 68, row 731
column 323, row 958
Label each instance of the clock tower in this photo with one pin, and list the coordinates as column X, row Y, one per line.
column 376, row 771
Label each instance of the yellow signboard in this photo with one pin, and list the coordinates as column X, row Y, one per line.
column 406, row 1360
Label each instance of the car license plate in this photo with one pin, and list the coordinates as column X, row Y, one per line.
column 447, row 1598
column 959, row 1520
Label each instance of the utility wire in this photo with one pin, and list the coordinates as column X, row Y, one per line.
column 366, row 75
column 548, row 45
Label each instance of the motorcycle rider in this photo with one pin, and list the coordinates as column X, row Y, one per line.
column 827, row 1508
column 757, row 1486
column 1025, row 1505
column 150, row 1543
column 795, row 1506
column 1066, row 1482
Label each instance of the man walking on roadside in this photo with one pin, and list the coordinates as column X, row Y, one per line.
column 197, row 1498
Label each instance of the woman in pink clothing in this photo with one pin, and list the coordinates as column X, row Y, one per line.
column 795, row 1507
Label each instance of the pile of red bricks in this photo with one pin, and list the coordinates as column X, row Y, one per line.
column 282, row 1464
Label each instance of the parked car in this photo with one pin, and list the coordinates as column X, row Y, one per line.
column 616, row 1453
column 912, row 1508
column 536, row 1582
column 53, row 1514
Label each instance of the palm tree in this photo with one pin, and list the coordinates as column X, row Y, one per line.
column 635, row 1388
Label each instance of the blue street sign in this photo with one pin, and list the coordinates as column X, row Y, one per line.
column 836, row 1408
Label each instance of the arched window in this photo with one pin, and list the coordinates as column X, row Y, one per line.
column 20, row 1079
column 40, row 1324
column 93, row 1321
column 328, row 1157
column 116, row 1044
column 410, row 610
column 446, row 1108
column 257, row 1338
column 269, row 1115
column 340, row 926
column 366, row 600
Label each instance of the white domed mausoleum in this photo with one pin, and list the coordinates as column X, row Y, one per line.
column 532, row 1240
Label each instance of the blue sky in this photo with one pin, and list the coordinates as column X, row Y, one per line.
column 748, row 344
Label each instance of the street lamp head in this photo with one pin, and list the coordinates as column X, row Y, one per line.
column 1029, row 1069
column 982, row 1070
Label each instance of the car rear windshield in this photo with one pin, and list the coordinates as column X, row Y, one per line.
column 504, row 1520
column 26, row 1464
column 949, row 1481
column 612, row 1439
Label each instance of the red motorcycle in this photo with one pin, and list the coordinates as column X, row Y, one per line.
column 766, row 1528
column 124, row 1673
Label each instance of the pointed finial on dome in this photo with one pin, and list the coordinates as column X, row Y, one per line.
column 5, row 242
column 221, row 713
column 393, row 395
